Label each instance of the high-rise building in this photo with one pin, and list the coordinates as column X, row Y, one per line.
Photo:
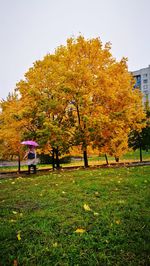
column 142, row 77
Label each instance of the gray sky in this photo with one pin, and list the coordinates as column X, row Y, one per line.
column 29, row 29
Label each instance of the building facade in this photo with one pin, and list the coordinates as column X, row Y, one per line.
column 142, row 78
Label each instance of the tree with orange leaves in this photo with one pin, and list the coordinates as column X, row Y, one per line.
column 11, row 128
column 80, row 95
column 104, row 105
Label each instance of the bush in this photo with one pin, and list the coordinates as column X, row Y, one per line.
column 47, row 159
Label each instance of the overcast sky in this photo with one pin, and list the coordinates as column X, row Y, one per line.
column 29, row 29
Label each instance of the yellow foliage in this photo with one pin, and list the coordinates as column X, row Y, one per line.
column 80, row 230
column 79, row 98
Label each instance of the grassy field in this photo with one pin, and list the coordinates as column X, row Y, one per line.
column 83, row 217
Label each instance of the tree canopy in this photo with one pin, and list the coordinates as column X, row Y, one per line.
column 78, row 96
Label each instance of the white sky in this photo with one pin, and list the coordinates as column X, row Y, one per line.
column 29, row 29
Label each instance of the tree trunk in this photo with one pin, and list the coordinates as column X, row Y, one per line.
column 53, row 158
column 57, row 158
column 141, row 159
column 19, row 164
column 85, row 157
column 78, row 114
column 117, row 159
column 106, row 158
column 140, row 146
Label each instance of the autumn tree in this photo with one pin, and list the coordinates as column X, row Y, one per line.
column 104, row 106
column 11, row 128
column 79, row 96
column 45, row 105
column 123, row 107
column 82, row 61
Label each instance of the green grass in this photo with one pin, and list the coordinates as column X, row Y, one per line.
column 40, row 216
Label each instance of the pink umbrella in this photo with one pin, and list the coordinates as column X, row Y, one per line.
column 30, row 143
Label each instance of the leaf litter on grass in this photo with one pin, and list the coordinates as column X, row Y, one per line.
column 124, row 220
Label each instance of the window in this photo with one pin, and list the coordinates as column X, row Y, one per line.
column 138, row 81
column 145, row 80
column 145, row 87
column 145, row 75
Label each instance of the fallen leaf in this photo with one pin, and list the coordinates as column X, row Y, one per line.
column 20, row 177
column 118, row 221
column 96, row 213
column 86, row 207
column 121, row 201
column 12, row 221
column 55, row 245
column 80, row 230
column 18, row 236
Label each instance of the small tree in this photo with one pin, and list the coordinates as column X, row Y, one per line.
column 141, row 140
column 10, row 128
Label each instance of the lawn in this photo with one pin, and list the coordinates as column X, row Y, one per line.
column 81, row 217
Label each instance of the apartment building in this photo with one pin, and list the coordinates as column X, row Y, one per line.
column 142, row 77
